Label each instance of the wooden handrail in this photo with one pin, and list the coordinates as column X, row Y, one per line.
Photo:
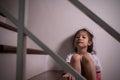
column 7, row 26
column 13, row 49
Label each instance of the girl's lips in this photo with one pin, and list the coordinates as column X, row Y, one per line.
column 79, row 42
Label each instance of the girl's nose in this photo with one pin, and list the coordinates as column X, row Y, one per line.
column 80, row 37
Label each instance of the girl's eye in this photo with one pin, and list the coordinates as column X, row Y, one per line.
column 84, row 37
column 77, row 37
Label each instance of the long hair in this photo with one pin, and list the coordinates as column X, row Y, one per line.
column 90, row 36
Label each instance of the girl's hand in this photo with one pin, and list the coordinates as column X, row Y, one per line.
column 68, row 76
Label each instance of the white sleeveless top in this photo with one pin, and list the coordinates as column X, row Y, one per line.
column 95, row 60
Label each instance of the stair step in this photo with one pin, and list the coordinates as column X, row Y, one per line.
column 48, row 75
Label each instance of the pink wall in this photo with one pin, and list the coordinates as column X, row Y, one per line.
column 54, row 22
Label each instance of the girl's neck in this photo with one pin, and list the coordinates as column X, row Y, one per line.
column 82, row 51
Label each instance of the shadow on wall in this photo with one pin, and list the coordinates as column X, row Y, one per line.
column 66, row 47
column 63, row 50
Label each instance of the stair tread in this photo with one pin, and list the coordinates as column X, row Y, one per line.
column 48, row 75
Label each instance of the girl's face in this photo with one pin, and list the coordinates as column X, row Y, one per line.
column 82, row 40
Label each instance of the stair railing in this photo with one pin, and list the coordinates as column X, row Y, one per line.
column 20, row 75
column 96, row 19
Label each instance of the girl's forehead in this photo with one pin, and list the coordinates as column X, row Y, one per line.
column 82, row 33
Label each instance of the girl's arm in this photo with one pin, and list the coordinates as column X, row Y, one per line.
column 67, row 75
column 65, row 71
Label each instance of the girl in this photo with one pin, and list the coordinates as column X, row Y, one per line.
column 84, row 59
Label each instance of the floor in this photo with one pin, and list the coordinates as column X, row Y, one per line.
column 48, row 75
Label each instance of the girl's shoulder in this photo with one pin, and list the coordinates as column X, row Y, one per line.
column 94, row 56
column 69, row 56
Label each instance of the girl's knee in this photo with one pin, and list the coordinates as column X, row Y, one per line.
column 76, row 57
column 86, row 59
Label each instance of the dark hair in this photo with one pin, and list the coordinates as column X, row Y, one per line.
column 90, row 36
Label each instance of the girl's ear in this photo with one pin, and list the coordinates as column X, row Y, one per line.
column 89, row 43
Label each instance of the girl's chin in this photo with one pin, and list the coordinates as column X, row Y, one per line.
column 80, row 46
